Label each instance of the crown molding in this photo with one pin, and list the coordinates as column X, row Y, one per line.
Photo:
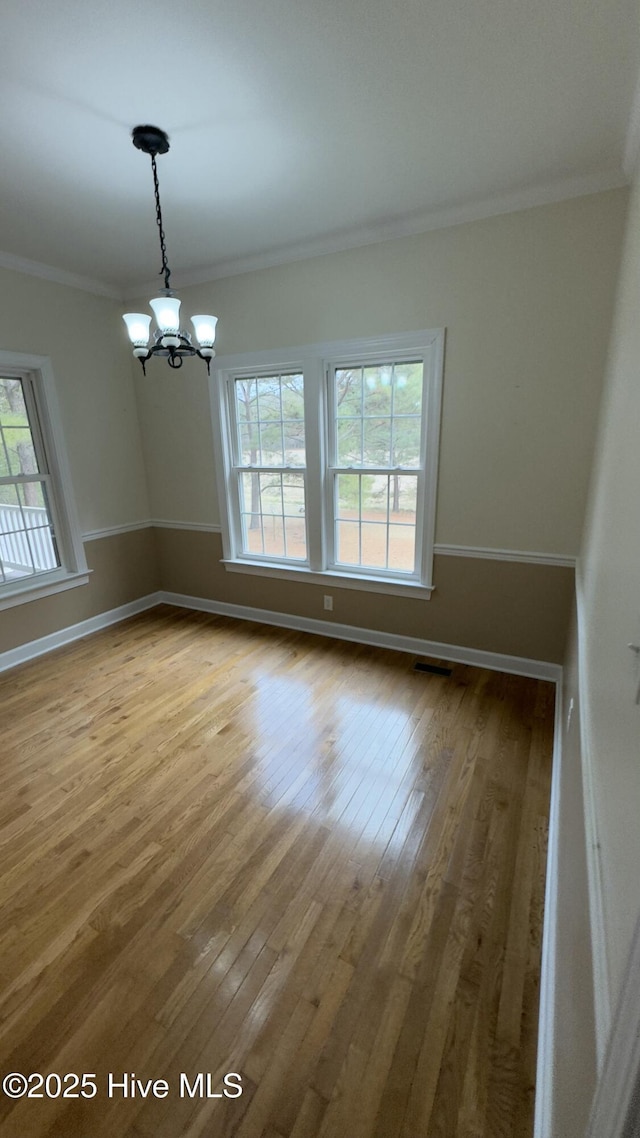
column 58, row 276
column 561, row 189
column 409, row 226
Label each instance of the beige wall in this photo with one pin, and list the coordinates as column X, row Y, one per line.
column 495, row 606
column 81, row 333
column 598, row 832
column 123, row 566
column 526, row 299
column 609, row 618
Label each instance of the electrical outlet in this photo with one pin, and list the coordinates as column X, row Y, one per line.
column 328, row 602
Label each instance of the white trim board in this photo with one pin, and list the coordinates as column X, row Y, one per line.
column 150, row 523
column 58, row 276
column 113, row 531
column 560, row 189
column 601, row 983
column 545, row 1066
column 485, row 553
column 515, row 665
column 564, row 560
column 44, row 644
column 203, row 527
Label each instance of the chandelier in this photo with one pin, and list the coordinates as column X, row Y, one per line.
column 169, row 340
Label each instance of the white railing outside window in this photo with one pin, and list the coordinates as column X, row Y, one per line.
column 26, row 543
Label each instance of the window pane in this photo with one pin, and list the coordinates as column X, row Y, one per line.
column 376, row 520
column 9, row 498
column 378, row 415
column 17, row 451
column 350, row 442
column 374, row 545
column 27, row 545
column 374, row 494
column 270, row 415
column 348, row 391
column 348, row 498
column 402, row 548
column 406, row 441
column 32, row 497
column 403, row 495
column 377, row 442
column 249, row 444
column 377, row 390
column 246, row 400
column 407, row 389
column 273, row 514
column 13, row 411
column 348, row 543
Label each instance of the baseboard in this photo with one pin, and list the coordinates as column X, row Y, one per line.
column 495, row 661
column 515, row 665
column 545, row 1067
column 46, row 644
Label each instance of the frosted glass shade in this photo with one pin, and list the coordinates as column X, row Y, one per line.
column 137, row 327
column 205, row 329
column 166, row 310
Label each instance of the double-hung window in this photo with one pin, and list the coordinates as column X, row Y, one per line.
column 40, row 549
column 327, row 456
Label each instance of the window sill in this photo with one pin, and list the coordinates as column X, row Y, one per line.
column 367, row 584
column 19, row 594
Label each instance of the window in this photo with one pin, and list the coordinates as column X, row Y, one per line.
column 328, row 459
column 40, row 552
column 270, row 464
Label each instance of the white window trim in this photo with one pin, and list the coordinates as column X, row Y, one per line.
column 313, row 360
column 74, row 571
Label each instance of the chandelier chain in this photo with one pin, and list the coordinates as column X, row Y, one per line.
column 165, row 270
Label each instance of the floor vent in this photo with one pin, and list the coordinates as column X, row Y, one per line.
column 434, row 669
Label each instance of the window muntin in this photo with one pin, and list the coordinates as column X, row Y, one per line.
column 270, row 464
column 28, row 539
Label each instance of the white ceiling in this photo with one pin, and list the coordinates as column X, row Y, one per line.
column 296, row 125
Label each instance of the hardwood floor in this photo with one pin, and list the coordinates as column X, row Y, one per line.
column 232, row 848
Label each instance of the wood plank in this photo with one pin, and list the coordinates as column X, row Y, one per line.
column 229, row 847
